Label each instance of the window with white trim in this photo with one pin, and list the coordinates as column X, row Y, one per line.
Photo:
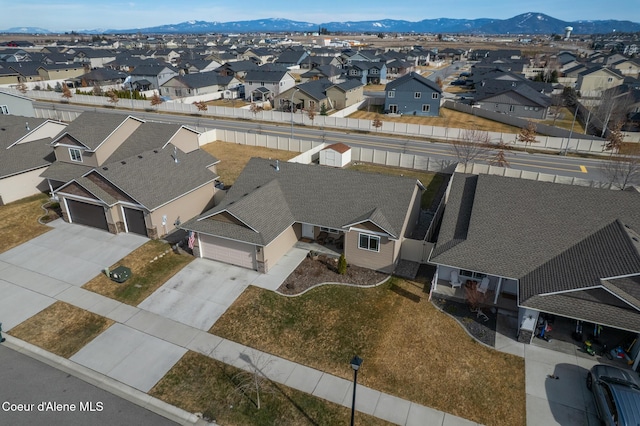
column 369, row 242
column 393, row 109
column 426, row 107
column 434, row 96
column 75, row 155
column 417, row 95
column 391, row 94
column 4, row 109
column 329, row 230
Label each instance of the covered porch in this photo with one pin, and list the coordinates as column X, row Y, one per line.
column 321, row 239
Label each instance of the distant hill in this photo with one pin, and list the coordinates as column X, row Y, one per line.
column 527, row 23
column 26, row 30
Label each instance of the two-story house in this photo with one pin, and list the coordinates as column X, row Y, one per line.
column 367, row 72
column 151, row 77
column 592, row 82
column 412, row 94
column 122, row 174
column 266, row 85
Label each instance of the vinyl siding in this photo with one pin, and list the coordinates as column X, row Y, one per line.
column 184, row 208
column 279, row 247
column 116, row 139
column 19, row 186
column 382, row 260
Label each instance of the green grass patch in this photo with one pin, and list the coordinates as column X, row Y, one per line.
column 199, row 384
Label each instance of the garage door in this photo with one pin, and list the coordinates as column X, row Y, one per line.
column 87, row 214
column 228, row 251
column 135, row 221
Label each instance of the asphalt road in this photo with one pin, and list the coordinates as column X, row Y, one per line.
column 554, row 164
column 24, row 380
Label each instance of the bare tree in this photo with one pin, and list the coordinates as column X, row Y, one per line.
column 311, row 113
column 528, row 134
column 439, row 82
column 201, row 105
column 614, row 105
column 255, row 109
column 97, row 90
column 253, row 380
column 622, row 171
column 66, row 93
column 22, row 88
column 377, row 123
column 499, row 158
column 156, row 100
column 474, row 144
column 113, row 97
column 614, row 139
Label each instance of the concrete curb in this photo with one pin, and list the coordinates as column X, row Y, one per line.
column 108, row 384
column 331, row 283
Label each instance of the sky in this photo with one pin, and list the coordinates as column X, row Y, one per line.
column 67, row 15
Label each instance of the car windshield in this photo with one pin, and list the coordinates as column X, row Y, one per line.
column 619, row 381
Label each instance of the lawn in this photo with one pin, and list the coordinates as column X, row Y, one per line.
column 448, row 118
column 430, row 180
column 410, row 348
column 61, row 328
column 200, row 384
column 19, row 221
column 233, row 157
column 151, row 264
column 565, row 121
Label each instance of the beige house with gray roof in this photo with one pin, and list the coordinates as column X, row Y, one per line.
column 273, row 205
column 122, row 174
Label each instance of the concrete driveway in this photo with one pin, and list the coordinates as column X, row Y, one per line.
column 200, row 293
column 32, row 273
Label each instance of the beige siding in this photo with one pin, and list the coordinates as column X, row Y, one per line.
column 47, row 130
column 116, row 139
column 410, row 222
column 279, row 247
column 185, row 208
column 19, row 186
column 185, row 140
column 382, row 260
column 62, row 154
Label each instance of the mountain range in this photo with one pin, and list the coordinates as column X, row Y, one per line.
column 527, row 23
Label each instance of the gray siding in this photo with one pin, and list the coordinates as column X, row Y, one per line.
column 407, row 103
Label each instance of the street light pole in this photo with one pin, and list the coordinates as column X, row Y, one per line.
column 291, row 105
column 356, row 362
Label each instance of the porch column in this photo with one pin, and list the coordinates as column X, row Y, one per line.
column 50, row 188
column 434, row 282
column 498, row 288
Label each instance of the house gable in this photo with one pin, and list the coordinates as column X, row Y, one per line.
column 74, row 188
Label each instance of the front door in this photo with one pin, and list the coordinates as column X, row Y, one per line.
column 307, row 231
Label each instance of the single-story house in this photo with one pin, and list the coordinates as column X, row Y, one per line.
column 274, row 204
column 197, row 84
column 566, row 250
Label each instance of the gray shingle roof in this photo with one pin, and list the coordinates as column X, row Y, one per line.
column 154, row 178
column 22, row 157
column 146, row 137
column 412, row 76
column 202, row 79
column 558, row 240
column 269, row 201
column 92, row 128
column 64, row 172
column 266, row 76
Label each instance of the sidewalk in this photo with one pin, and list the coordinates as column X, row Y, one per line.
column 133, row 354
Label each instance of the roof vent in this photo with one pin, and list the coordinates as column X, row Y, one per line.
column 277, row 165
column 175, row 155
column 139, row 156
column 27, row 126
column 155, row 150
column 635, row 239
column 123, row 162
column 105, row 168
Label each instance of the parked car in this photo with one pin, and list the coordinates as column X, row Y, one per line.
column 616, row 393
column 458, row 82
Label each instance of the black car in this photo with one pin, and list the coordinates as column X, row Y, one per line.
column 616, row 393
column 458, row 82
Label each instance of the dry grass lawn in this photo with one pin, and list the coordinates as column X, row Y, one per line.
column 229, row 103
column 19, row 221
column 410, row 348
column 448, row 118
column 200, row 384
column 147, row 274
column 61, row 328
column 233, row 157
column 564, row 121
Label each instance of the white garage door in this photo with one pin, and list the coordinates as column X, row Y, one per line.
column 228, row 251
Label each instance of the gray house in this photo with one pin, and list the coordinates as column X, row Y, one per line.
column 520, row 101
column 412, row 94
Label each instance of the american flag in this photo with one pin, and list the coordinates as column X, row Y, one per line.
column 192, row 239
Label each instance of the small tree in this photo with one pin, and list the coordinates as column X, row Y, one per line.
column 255, row 109
column 439, row 82
column 323, row 109
column 22, row 88
column 342, row 264
column 377, row 123
column 499, row 158
column 614, row 139
column 156, row 100
column 528, row 134
column 474, row 144
column 97, row 90
column 66, row 93
column 201, row 105
column 311, row 113
column 113, row 97
column 622, row 171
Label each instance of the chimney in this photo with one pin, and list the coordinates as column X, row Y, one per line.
column 277, row 166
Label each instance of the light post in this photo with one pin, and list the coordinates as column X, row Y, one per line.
column 292, row 95
column 356, row 362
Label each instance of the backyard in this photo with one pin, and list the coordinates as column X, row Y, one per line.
column 411, row 349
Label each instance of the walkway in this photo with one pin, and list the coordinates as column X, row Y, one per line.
column 131, row 356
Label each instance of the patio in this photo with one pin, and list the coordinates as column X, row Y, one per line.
column 505, row 301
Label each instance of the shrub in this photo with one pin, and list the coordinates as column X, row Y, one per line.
column 342, row 265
